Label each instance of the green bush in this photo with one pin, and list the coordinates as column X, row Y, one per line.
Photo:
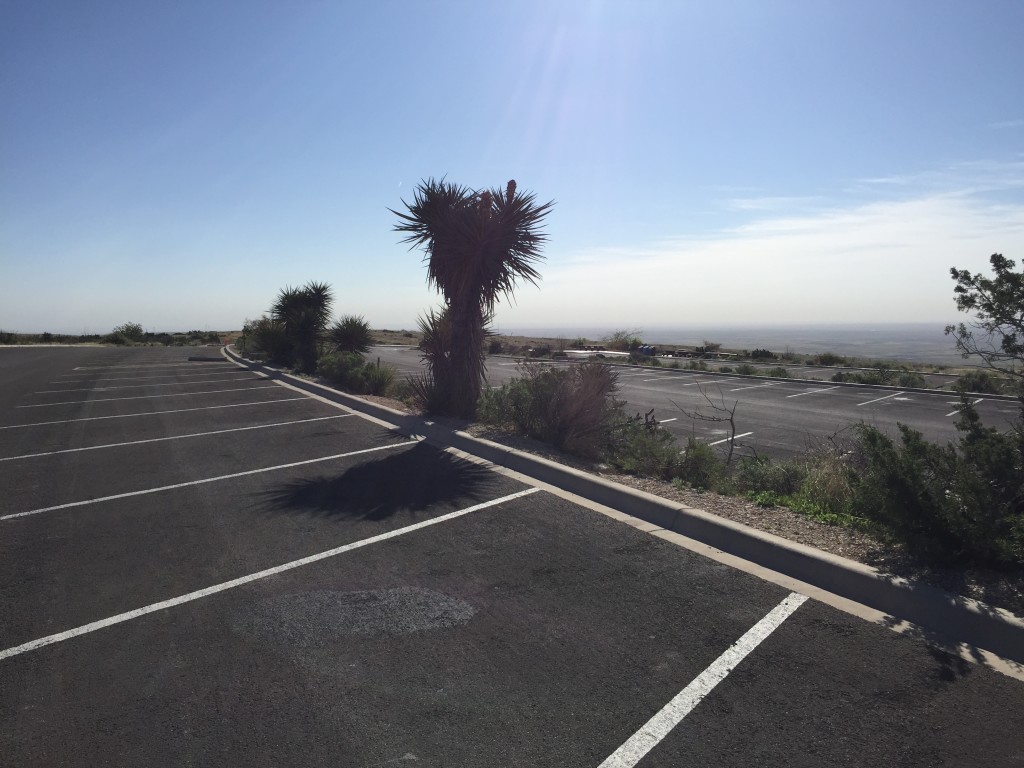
column 350, row 334
column 571, row 408
column 267, row 337
column 641, row 446
column 982, row 382
column 700, row 466
column 378, row 379
column 758, row 473
column 778, row 372
column 953, row 503
column 746, row 369
column 345, row 370
column 911, row 379
column 495, row 347
column 827, row 358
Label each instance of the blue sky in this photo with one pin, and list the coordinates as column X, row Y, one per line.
column 176, row 164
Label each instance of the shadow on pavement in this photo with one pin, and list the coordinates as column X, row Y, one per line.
column 412, row 480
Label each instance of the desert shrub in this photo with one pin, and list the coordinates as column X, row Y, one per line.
column 639, row 445
column 758, row 473
column 697, row 365
column 377, row 379
column 978, row 381
column 267, row 337
column 495, row 347
column 829, row 483
column 910, row 379
column 746, row 369
column 700, row 466
column 778, row 372
column 351, row 333
column 345, row 370
column 542, row 351
column 762, row 354
column 766, row 499
column 948, row 503
column 571, row 408
column 827, row 358
column 129, row 331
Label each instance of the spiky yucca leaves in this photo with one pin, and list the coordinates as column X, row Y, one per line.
column 351, row 334
column 477, row 246
column 304, row 312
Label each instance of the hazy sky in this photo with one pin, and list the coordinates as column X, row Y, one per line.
column 177, row 163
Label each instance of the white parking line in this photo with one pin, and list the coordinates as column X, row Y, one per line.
column 814, row 391
column 153, row 413
column 666, row 421
column 658, row 727
column 131, row 386
column 150, row 365
column 205, row 480
column 954, row 413
column 879, row 399
column 175, row 376
column 266, row 573
column 735, row 437
column 756, row 386
column 145, row 397
column 176, row 437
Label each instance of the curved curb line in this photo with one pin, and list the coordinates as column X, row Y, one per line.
column 954, row 616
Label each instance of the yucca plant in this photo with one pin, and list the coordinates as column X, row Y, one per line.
column 350, row 334
column 304, row 312
column 478, row 245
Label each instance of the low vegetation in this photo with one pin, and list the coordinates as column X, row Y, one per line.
column 298, row 334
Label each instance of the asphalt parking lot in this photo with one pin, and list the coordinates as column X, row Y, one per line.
column 780, row 418
column 200, row 566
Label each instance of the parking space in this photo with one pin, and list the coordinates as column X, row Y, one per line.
column 273, row 581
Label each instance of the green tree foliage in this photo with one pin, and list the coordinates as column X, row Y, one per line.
column 129, row 332
column 478, row 245
column 304, row 313
column 997, row 333
column 350, row 334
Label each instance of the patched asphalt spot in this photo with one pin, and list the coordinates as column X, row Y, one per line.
column 308, row 619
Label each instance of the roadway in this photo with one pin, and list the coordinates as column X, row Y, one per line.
column 202, row 566
column 779, row 418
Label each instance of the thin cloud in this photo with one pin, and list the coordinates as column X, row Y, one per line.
column 880, row 262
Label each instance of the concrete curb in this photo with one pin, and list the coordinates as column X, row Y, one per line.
column 959, row 618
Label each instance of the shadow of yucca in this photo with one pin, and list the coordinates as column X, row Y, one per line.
column 412, row 480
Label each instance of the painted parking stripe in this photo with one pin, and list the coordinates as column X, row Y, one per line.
column 146, row 397
column 241, row 581
column 879, row 399
column 666, row 421
column 132, row 386
column 149, row 365
column 814, row 391
column 177, row 437
column 659, row 726
column 176, row 376
column 954, row 413
column 735, row 437
column 205, row 480
column 153, row 413
column 755, row 386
